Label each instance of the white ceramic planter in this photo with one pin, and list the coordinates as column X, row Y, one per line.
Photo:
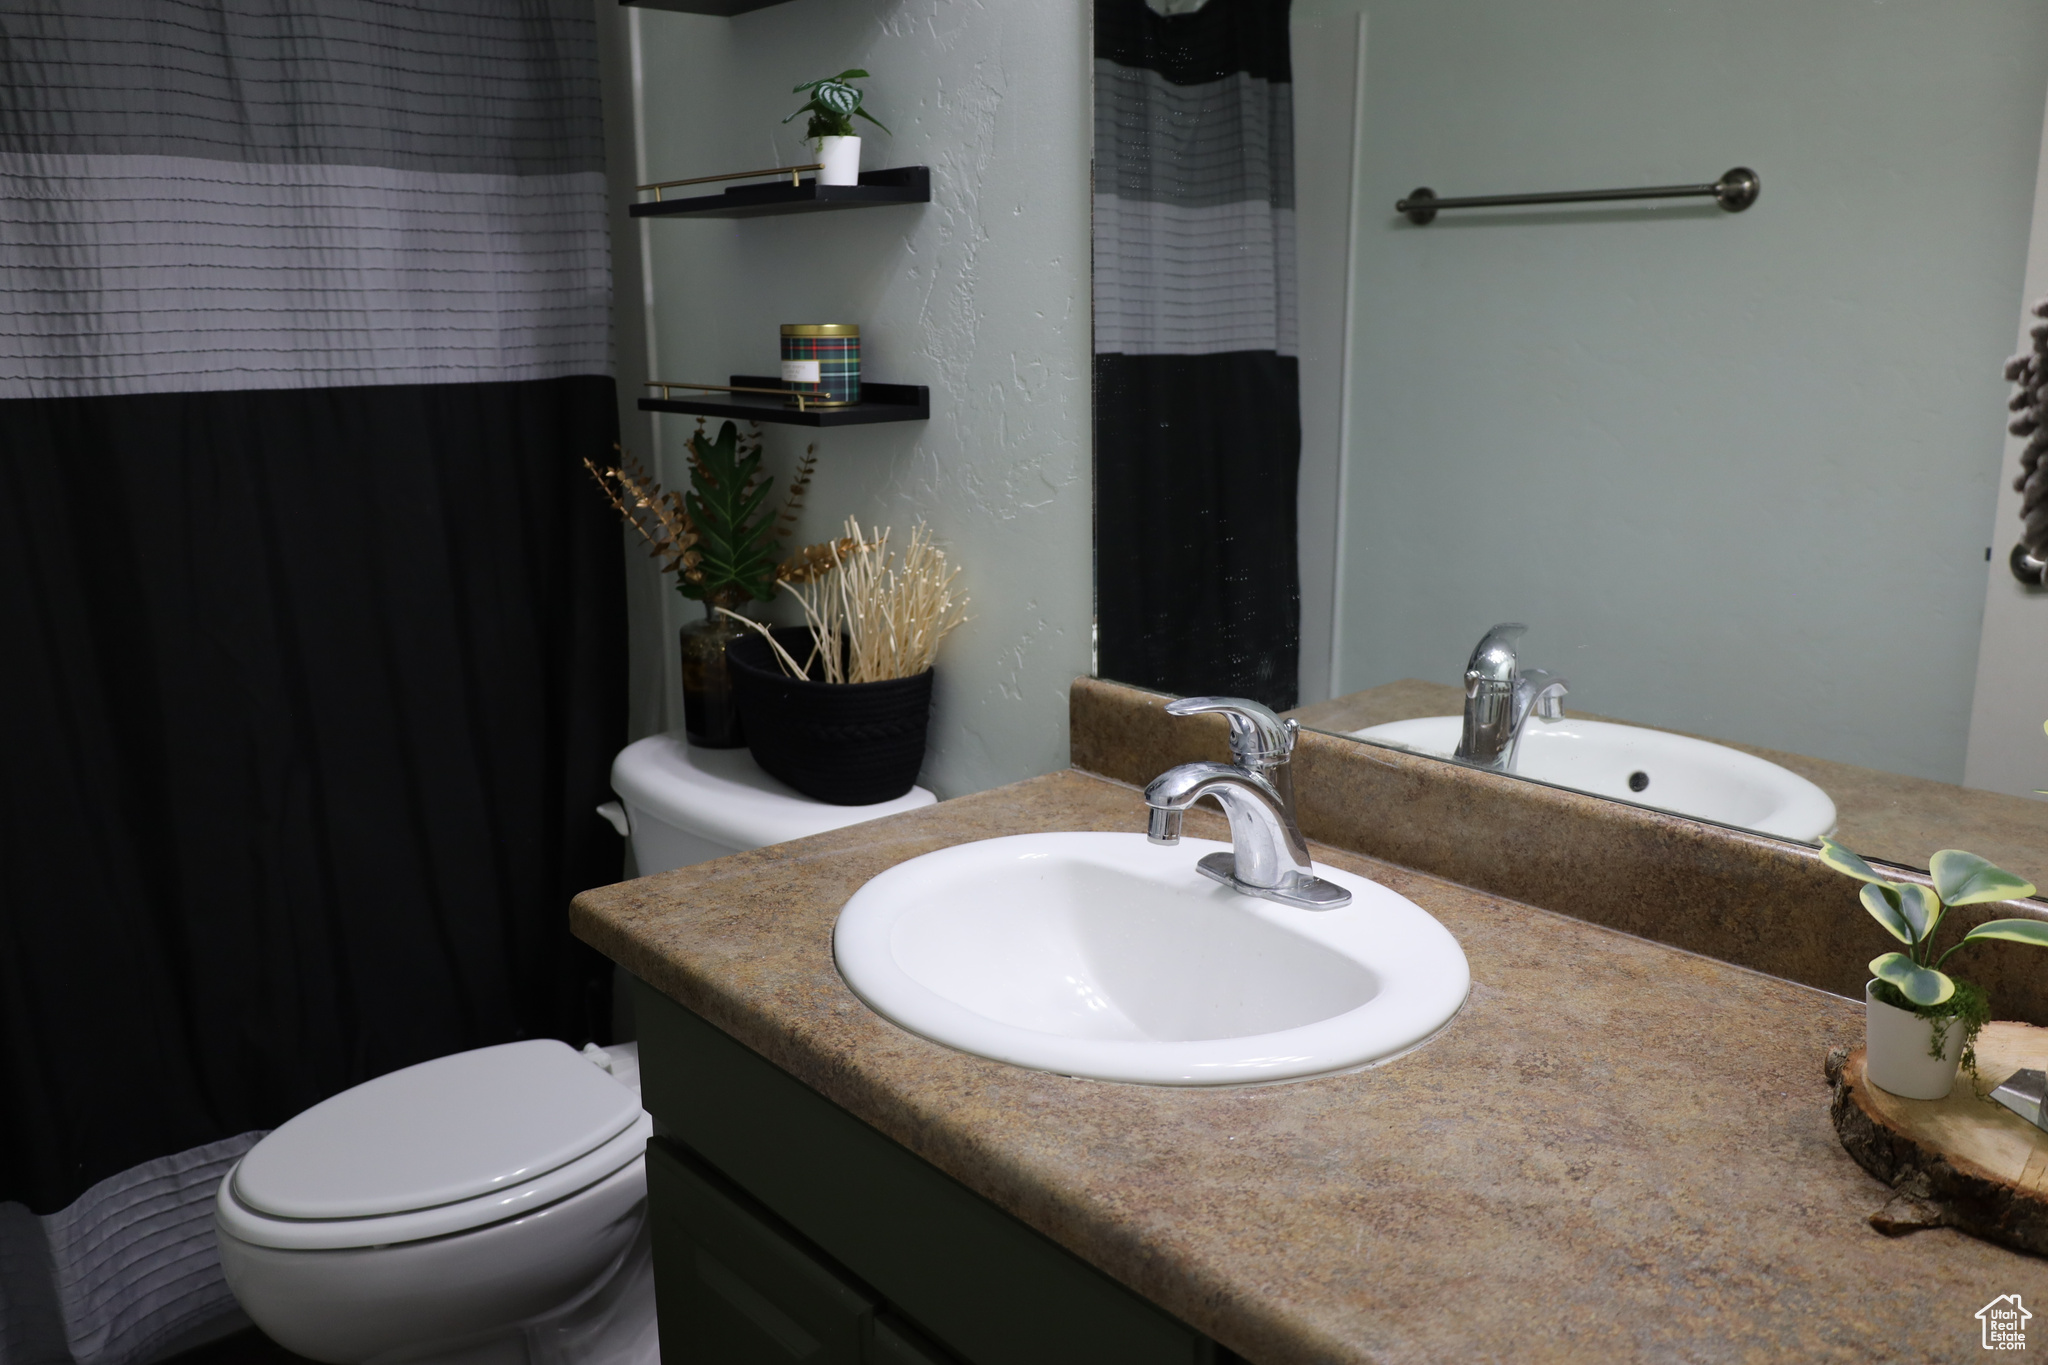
column 841, row 156
column 1895, row 1044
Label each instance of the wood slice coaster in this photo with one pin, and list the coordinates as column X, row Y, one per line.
column 1965, row 1162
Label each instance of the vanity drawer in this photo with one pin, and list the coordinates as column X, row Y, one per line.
column 992, row 1290
column 730, row 1286
column 897, row 1343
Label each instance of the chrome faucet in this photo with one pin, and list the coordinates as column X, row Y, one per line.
column 1269, row 858
column 1500, row 697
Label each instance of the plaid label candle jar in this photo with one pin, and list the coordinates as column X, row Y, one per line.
column 823, row 359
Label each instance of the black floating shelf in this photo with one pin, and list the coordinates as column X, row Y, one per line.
column 878, row 403
column 897, row 185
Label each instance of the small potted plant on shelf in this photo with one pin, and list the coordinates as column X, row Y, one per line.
column 838, row 707
column 832, row 106
column 1920, row 1024
column 723, row 542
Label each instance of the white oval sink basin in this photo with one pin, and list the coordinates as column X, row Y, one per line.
column 1107, row 956
column 1677, row 773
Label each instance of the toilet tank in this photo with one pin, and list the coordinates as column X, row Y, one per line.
column 688, row 805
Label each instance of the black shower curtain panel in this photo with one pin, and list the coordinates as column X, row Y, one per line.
column 1197, row 413
column 311, row 636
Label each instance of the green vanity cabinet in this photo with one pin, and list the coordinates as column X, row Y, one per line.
column 785, row 1229
column 737, row 1284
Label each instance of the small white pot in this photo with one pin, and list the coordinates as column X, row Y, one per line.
column 841, row 156
column 1895, row 1044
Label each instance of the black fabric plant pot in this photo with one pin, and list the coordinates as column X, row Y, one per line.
column 847, row 744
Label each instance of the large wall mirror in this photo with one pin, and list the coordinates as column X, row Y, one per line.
column 1738, row 473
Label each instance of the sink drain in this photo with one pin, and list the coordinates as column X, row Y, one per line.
column 1638, row 780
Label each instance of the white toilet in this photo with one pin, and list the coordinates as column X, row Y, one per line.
column 685, row 805
column 489, row 1207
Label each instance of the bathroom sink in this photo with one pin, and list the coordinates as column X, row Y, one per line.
column 1676, row 773
column 1106, row 956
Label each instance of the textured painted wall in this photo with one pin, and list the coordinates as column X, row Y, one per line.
column 982, row 294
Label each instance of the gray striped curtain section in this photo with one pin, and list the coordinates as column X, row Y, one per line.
column 126, row 1272
column 1194, row 212
column 313, row 627
column 1197, row 407
column 211, row 194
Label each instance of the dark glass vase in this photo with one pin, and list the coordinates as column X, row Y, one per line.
column 711, row 720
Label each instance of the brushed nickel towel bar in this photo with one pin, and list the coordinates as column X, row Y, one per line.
column 1734, row 191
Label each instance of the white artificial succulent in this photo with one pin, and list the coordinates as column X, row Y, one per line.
column 833, row 104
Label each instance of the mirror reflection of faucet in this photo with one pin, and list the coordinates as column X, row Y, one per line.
column 1500, row 696
column 1678, row 773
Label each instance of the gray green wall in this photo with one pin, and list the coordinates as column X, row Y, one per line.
column 982, row 295
column 1735, row 471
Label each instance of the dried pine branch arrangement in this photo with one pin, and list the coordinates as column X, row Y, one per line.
column 891, row 616
column 721, row 539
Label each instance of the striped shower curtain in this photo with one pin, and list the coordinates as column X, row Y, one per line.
column 1197, row 416
column 311, row 630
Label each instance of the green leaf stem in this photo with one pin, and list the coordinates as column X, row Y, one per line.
column 736, row 538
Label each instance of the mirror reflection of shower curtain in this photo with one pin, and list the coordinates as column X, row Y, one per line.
column 1197, row 414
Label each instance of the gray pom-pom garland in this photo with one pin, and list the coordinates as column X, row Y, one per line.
column 2029, row 373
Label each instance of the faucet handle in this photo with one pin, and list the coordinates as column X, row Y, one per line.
column 1257, row 736
column 1493, row 658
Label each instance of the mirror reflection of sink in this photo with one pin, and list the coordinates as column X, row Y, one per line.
column 1105, row 956
column 1677, row 773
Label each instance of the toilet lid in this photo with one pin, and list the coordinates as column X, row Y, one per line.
column 446, row 1130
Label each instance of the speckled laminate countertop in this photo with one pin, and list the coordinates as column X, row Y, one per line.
column 1617, row 1152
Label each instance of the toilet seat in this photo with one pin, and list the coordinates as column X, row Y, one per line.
column 294, row 1234
column 443, row 1147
